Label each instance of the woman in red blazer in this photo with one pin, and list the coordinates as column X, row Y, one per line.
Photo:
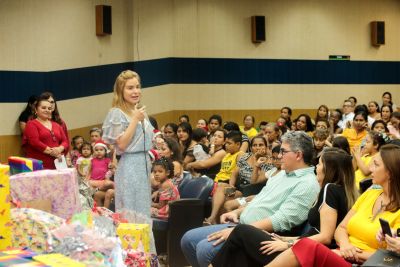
column 44, row 139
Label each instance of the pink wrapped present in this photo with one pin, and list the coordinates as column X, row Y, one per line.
column 60, row 187
column 20, row 164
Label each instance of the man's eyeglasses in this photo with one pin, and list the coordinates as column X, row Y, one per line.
column 283, row 152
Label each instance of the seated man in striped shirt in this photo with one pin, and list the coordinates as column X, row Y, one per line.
column 281, row 205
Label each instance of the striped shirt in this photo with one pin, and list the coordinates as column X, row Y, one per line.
column 285, row 200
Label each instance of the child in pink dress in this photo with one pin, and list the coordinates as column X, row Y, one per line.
column 100, row 172
column 163, row 170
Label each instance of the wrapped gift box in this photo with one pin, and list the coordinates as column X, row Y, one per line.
column 5, row 219
column 58, row 260
column 60, row 187
column 15, row 261
column 20, row 164
column 133, row 236
column 19, row 252
column 32, row 228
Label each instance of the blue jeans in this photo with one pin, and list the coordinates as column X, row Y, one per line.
column 197, row 250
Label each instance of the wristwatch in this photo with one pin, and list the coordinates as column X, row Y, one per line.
column 290, row 243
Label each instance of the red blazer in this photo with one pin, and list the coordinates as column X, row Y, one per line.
column 37, row 137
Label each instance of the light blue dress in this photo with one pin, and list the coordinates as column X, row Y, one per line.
column 132, row 182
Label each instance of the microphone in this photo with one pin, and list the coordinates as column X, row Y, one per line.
column 139, row 106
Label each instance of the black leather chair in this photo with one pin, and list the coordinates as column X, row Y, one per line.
column 184, row 214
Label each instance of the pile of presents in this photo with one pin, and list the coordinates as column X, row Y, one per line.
column 42, row 223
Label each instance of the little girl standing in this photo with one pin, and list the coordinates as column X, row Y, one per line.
column 82, row 166
column 74, row 154
column 83, row 162
column 163, row 169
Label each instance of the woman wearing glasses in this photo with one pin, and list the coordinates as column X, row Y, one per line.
column 43, row 138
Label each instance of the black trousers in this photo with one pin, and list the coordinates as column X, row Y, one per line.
column 242, row 248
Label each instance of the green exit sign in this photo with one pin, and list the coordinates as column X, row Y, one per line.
column 339, row 57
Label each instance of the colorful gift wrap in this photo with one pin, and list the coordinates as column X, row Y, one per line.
column 32, row 228
column 20, row 164
column 134, row 236
column 58, row 260
column 5, row 219
column 15, row 261
column 60, row 187
column 19, row 252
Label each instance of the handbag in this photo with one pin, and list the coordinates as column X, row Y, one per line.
column 383, row 257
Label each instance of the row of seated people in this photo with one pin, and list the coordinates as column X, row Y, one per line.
column 255, row 234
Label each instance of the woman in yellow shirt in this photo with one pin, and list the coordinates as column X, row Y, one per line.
column 373, row 142
column 357, row 133
column 356, row 234
column 248, row 126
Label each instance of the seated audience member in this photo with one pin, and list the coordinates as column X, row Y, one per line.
column 95, row 135
column 353, row 100
column 322, row 113
column 171, row 131
column 233, row 126
column 28, row 113
column 163, row 171
column 248, row 126
column 184, row 118
column 202, row 123
column 43, row 138
column 304, row 123
column 282, row 204
column 258, row 176
column 73, row 154
column 280, row 122
column 250, row 246
column 322, row 124
column 200, row 149
column 356, row 234
column 286, row 114
column 393, row 126
column 170, row 150
column 211, row 166
column 373, row 110
column 386, row 113
column 186, row 142
column 272, row 134
column 357, row 133
column 320, row 140
column 364, row 108
column 214, row 122
column 347, row 116
column 387, row 100
column 379, row 126
column 261, row 126
column 223, row 179
column 363, row 156
column 334, row 119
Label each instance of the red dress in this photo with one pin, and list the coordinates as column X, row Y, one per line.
column 310, row 253
column 37, row 137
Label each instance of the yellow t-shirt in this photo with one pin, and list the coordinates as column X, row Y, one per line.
column 361, row 229
column 359, row 176
column 354, row 138
column 228, row 164
column 250, row 133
